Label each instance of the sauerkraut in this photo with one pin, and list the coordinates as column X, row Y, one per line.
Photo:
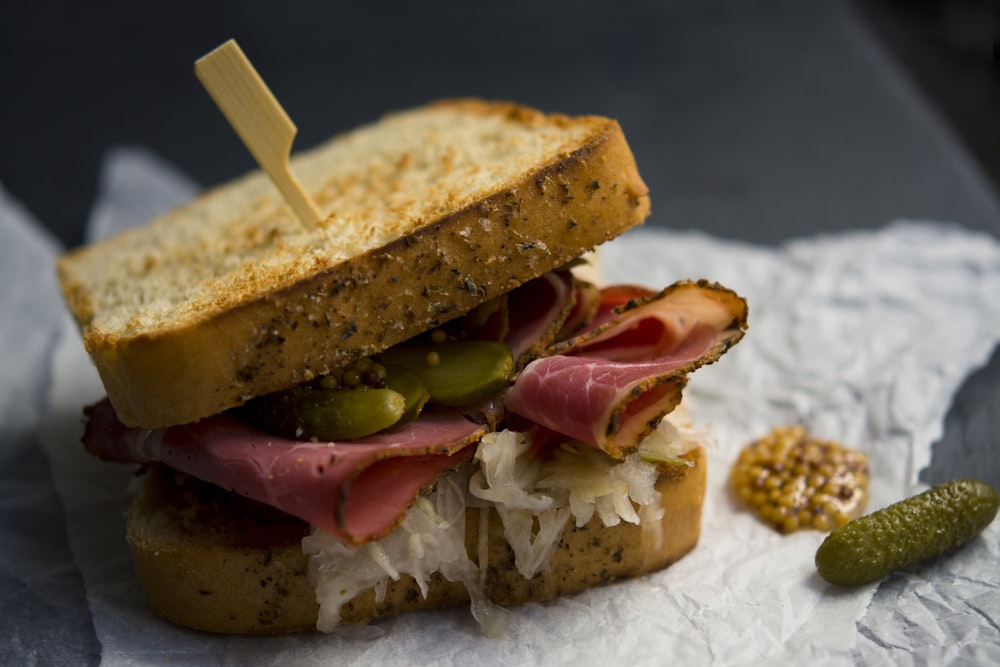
column 534, row 498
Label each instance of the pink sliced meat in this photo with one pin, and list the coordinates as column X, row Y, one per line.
column 635, row 323
column 613, row 298
column 606, row 403
column 538, row 309
column 611, row 384
column 357, row 491
column 586, row 301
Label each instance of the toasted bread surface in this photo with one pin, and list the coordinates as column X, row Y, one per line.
column 428, row 213
column 220, row 566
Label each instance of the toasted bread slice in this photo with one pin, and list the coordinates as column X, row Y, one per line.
column 428, row 213
column 217, row 565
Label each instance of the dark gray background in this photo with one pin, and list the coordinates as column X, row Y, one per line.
column 759, row 120
column 762, row 121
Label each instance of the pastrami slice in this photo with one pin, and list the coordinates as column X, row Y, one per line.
column 338, row 487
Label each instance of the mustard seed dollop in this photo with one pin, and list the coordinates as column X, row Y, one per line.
column 793, row 481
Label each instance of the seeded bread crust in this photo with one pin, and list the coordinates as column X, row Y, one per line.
column 429, row 213
column 215, row 567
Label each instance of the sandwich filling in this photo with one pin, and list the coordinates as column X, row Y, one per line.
column 535, row 497
column 576, row 430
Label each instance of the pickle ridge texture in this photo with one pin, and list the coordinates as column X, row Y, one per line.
column 926, row 525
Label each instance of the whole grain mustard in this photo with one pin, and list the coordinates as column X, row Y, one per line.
column 793, row 481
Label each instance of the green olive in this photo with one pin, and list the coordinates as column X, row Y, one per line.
column 457, row 372
column 413, row 390
column 308, row 412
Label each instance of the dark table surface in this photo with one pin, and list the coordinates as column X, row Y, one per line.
column 759, row 121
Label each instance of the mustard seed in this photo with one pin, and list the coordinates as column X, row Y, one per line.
column 794, row 481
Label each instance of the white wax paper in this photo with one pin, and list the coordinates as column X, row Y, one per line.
column 863, row 337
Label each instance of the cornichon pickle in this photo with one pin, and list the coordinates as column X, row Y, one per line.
column 942, row 518
column 310, row 412
column 457, row 372
column 413, row 390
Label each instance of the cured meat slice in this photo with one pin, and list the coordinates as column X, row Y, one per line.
column 611, row 384
column 357, row 491
column 636, row 323
column 605, row 403
column 538, row 310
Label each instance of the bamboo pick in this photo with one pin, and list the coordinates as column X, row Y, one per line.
column 258, row 119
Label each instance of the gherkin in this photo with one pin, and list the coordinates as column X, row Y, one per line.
column 307, row 412
column 457, row 372
column 931, row 523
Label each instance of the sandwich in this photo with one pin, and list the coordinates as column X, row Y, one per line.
column 422, row 400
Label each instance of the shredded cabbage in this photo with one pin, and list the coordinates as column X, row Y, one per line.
column 673, row 438
column 507, row 481
column 534, row 499
column 431, row 538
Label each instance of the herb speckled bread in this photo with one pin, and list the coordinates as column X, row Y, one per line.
column 210, row 561
column 230, row 297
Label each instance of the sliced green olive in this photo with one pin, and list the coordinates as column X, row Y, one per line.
column 457, row 372
column 413, row 390
column 308, row 412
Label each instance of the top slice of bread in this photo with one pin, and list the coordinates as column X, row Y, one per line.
column 427, row 213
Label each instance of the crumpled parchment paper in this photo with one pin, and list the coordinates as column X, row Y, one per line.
column 863, row 337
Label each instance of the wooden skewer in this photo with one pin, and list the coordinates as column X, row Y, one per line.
column 258, row 119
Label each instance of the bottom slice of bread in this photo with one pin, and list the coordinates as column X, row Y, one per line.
column 211, row 561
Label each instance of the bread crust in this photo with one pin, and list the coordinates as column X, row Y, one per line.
column 270, row 338
column 216, row 573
